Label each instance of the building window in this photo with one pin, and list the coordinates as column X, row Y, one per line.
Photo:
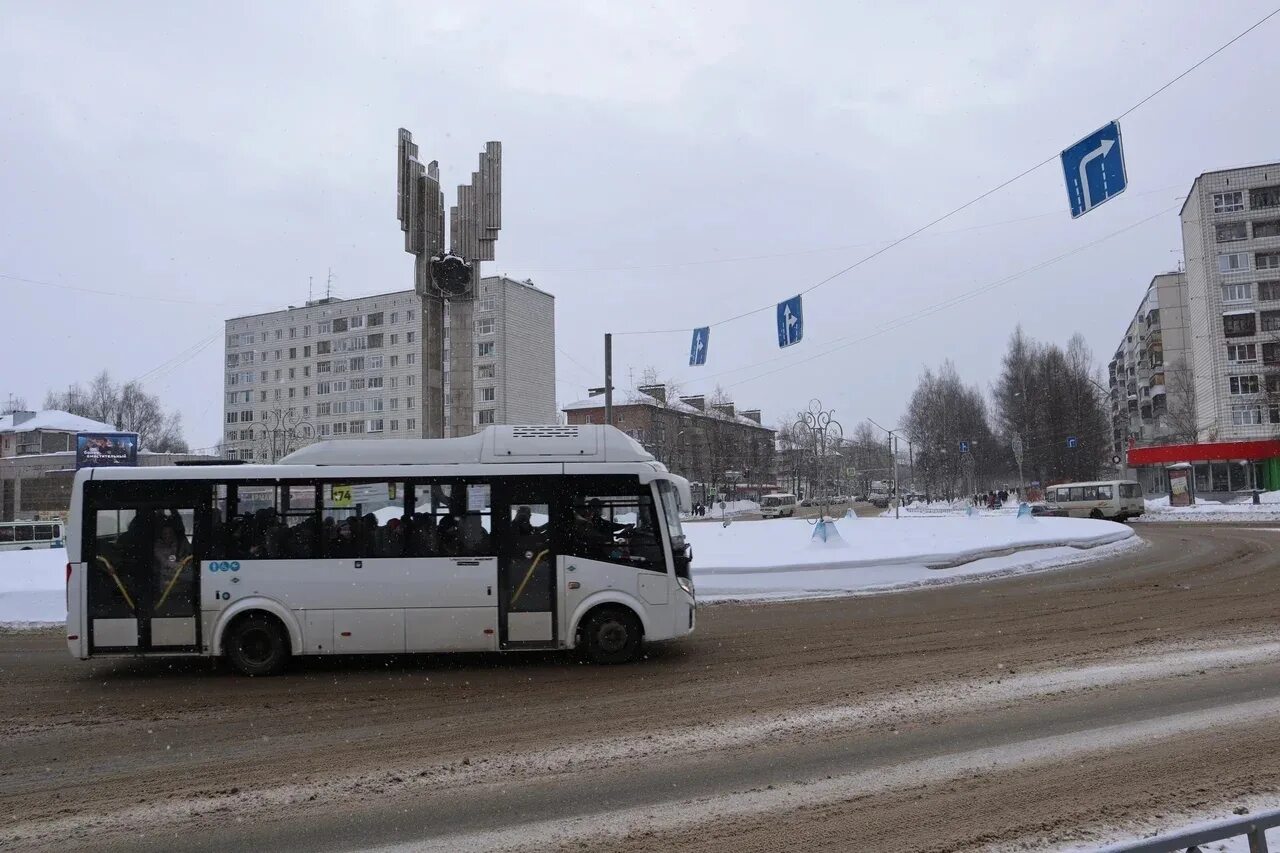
column 1229, row 232
column 232, row 417
column 485, row 371
column 1234, row 262
column 324, row 327
column 293, row 352
column 324, row 408
column 292, row 371
column 324, row 347
column 484, row 416
column 1262, row 261
column 375, row 424
column 1239, row 325
column 487, row 395
column 279, row 334
column 393, row 382
column 1271, row 321
column 1251, row 416
column 395, row 361
column 1228, row 202
column 375, row 382
column 488, row 303
column 395, row 403
column 395, row 317
column 1243, row 384
column 262, row 396
column 485, row 349
column 395, row 424
column 409, row 337
column 411, row 358
column 357, row 384
column 375, row 341
column 411, row 423
column 357, row 363
column 1269, row 290
column 1264, row 197
column 484, row 327
column 340, row 428
column 408, row 316
column 1242, row 292
column 323, row 429
column 277, row 374
column 408, row 380
column 246, row 416
column 375, row 319
column 357, row 322
column 375, row 362
column 324, row 388
column 293, row 333
column 1242, row 353
column 408, row 402
column 339, row 325
column 1266, row 228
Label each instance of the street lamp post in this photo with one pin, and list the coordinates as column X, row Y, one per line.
column 824, row 431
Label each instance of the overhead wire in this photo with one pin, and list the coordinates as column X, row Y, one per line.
column 966, row 205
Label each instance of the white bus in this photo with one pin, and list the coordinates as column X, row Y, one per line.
column 28, row 535
column 777, row 505
column 539, row 537
column 1115, row 499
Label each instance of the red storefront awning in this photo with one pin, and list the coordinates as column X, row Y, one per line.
column 1225, row 451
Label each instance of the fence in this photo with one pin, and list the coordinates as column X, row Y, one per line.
column 1252, row 827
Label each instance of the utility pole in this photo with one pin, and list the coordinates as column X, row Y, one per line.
column 1017, row 455
column 608, row 378
column 897, row 493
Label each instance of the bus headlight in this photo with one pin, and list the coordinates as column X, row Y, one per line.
column 686, row 584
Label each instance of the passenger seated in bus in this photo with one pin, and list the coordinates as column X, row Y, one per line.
column 393, row 538
column 473, row 539
column 344, row 547
column 523, row 522
column 447, row 535
column 421, row 536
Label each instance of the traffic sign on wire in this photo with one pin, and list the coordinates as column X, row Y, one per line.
column 790, row 321
column 1094, row 169
column 698, row 348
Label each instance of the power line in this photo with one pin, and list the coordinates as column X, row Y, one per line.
column 811, row 251
column 933, row 309
column 899, row 241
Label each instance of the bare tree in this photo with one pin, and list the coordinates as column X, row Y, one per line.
column 127, row 408
column 1180, row 401
column 13, row 404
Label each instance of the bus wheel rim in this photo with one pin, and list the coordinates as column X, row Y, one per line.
column 255, row 646
column 612, row 636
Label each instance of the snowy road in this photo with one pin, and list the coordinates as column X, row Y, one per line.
column 1039, row 710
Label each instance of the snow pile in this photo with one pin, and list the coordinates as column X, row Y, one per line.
column 764, row 560
column 1240, row 509
column 772, row 559
column 33, row 587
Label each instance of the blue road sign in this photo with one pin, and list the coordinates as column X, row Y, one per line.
column 790, row 322
column 1094, row 169
column 1072, row 442
column 964, row 447
column 698, row 349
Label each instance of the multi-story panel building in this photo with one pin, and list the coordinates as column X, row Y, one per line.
column 351, row 368
column 707, row 443
column 1151, row 385
column 1231, row 242
column 1231, row 245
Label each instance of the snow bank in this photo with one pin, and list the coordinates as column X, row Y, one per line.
column 776, row 560
column 1241, row 509
column 33, row 588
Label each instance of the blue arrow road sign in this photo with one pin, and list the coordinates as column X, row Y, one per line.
column 1072, row 442
column 1094, row 169
column 964, row 447
column 698, row 349
column 790, row 322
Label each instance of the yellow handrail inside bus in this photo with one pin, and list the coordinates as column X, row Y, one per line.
column 111, row 570
column 528, row 575
column 172, row 581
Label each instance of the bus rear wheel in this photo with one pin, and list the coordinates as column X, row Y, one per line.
column 256, row 645
column 1097, row 513
column 611, row 635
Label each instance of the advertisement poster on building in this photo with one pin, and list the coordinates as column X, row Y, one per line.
column 106, row 449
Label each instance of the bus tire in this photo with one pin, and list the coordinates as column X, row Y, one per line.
column 256, row 645
column 611, row 635
column 26, row 548
column 1096, row 513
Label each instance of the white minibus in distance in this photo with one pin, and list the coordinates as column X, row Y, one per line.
column 29, row 535
column 778, row 505
column 518, row 537
column 1114, row 499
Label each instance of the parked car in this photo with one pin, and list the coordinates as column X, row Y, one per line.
column 1042, row 508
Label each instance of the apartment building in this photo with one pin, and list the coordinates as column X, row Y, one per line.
column 351, row 368
column 1150, row 377
column 701, row 441
column 1231, row 246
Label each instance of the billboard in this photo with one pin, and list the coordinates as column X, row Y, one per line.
column 105, row 449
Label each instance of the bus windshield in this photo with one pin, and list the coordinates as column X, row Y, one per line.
column 671, row 512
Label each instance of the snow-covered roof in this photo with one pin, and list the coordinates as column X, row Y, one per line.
column 536, row 443
column 53, row 419
column 637, row 398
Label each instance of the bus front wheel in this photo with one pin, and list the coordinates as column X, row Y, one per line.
column 256, row 645
column 611, row 635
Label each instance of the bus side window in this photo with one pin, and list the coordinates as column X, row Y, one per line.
column 22, row 533
column 6, row 532
column 113, row 582
column 1104, row 493
column 617, row 529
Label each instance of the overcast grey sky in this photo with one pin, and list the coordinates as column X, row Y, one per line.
column 204, row 160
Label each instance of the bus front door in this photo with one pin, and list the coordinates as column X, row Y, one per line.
column 143, row 583
column 526, row 568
